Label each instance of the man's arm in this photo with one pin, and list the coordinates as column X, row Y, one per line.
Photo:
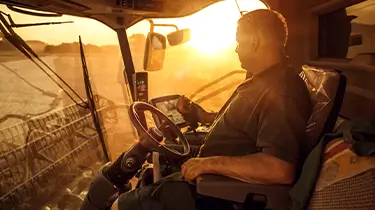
column 207, row 117
column 281, row 127
column 256, row 168
column 193, row 112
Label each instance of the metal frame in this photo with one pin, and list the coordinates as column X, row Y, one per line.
column 127, row 59
column 152, row 25
column 127, row 55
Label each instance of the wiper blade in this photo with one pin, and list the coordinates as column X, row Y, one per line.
column 28, row 12
column 15, row 25
column 38, row 24
column 25, row 49
column 90, row 99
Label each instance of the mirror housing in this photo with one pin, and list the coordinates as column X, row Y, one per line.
column 154, row 52
column 179, row 37
column 156, row 45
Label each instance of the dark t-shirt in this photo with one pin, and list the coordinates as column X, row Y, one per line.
column 267, row 113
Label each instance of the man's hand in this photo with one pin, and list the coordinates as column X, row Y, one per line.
column 184, row 105
column 194, row 167
column 193, row 113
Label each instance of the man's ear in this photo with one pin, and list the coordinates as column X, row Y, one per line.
column 255, row 43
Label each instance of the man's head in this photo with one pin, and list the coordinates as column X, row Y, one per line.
column 261, row 37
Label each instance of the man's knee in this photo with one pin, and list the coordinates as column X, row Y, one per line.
column 169, row 193
column 138, row 199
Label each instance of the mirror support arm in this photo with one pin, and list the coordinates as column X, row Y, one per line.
column 127, row 59
column 152, row 25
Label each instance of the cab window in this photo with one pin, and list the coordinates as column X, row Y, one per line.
column 348, row 32
column 209, row 55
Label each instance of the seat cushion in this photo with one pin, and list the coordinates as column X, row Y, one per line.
column 346, row 180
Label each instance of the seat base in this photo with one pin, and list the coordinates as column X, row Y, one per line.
column 276, row 196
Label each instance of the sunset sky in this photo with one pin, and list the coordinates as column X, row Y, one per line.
column 213, row 25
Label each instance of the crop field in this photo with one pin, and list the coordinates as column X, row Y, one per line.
column 20, row 80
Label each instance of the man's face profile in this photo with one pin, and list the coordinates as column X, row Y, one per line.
column 261, row 34
column 245, row 47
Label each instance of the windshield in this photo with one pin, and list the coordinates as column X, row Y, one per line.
column 48, row 138
column 209, row 55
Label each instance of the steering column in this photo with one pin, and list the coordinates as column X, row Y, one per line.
column 113, row 179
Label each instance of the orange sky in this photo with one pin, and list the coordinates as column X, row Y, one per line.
column 216, row 23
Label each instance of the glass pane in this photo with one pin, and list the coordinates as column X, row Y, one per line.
column 209, row 54
column 348, row 32
column 49, row 143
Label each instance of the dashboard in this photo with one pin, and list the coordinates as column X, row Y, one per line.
column 168, row 105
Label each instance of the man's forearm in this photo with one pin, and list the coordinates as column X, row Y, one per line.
column 208, row 117
column 256, row 168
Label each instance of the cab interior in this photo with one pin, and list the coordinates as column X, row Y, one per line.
column 330, row 44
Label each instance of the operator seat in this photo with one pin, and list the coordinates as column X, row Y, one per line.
column 326, row 88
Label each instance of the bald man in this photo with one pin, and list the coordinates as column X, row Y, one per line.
column 255, row 137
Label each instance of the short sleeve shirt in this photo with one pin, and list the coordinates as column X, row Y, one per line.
column 267, row 113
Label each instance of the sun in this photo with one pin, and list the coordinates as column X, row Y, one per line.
column 213, row 32
column 214, row 28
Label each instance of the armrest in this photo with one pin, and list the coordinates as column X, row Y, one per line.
column 277, row 196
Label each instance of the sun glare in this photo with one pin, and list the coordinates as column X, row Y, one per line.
column 214, row 29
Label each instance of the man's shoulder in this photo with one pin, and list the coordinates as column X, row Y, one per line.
column 289, row 87
column 291, row 83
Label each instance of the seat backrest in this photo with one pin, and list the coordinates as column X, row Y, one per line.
column 327, row 89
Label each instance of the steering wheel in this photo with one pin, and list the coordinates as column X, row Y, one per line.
column 152, row 138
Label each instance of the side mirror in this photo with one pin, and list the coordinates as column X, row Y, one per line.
column 179, row 37
column 154, row 52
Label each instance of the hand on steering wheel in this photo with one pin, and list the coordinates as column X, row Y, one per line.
column 152, row 138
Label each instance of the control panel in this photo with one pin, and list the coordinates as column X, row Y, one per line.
column 140, row 84
column 168, row 105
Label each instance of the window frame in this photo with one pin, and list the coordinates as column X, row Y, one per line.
column 313, row 31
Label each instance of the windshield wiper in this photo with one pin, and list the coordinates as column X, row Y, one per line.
column 25, row 49
column 90, row 99
column 15, row 25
